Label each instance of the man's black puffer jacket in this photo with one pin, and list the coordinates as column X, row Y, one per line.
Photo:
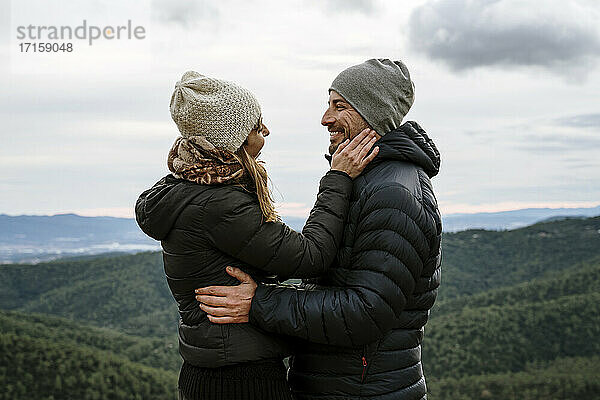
column 362, row 324
column 203, row 229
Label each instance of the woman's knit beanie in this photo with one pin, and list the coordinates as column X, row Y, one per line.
column 220, row 111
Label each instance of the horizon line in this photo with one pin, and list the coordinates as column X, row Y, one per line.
column 299, row 211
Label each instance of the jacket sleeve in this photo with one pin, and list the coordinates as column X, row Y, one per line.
column 387, row 258
column 236, row 227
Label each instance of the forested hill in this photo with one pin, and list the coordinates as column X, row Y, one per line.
column 503, row 330
column 47, row 358
column 534, row 340
column 517, row 317
column 477, row 260
column 128, row 293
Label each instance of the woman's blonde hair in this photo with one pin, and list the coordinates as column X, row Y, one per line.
column 258, row 175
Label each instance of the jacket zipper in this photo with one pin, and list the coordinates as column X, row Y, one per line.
column 364, row 369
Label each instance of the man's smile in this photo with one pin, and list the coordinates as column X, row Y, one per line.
column 335, row 135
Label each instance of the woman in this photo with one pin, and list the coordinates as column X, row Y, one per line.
column 215, row 210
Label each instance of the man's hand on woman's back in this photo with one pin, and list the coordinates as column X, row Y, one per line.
column 228, row 304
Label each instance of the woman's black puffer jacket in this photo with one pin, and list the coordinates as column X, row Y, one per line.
column 204, row 228
column 363, row 324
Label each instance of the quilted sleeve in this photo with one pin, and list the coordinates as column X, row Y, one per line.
column 391, row 245
column 235, row 226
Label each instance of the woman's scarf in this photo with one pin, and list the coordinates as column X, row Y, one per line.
column 196, row 160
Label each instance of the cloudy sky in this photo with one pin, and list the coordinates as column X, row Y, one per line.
column 508, row 89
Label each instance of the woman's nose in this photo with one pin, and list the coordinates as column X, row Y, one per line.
column 265, row 131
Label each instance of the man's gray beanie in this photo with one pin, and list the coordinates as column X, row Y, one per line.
column 380, row 90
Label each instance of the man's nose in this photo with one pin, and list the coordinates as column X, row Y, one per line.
column 327, row 119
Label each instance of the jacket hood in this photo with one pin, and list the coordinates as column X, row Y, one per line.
column 409, row 142
column 157, row 208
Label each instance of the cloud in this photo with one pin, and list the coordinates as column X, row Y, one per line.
column 580, row 121
column 293, row 209
column 184, row 13
column 573, row 134
column 345, row 6
column 564, row 134
column 5, row 22
column 466, row 34
column 365, row 6
column 559, row 143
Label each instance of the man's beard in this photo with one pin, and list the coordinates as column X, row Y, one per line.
column 333, row 146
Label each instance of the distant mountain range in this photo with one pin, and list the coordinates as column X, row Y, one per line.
column 31, row 238
column 507, row 220
column 496, row 221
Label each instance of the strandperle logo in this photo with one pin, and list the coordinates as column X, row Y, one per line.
column 87, row 32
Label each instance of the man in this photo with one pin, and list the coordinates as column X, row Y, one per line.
column 361, row 326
